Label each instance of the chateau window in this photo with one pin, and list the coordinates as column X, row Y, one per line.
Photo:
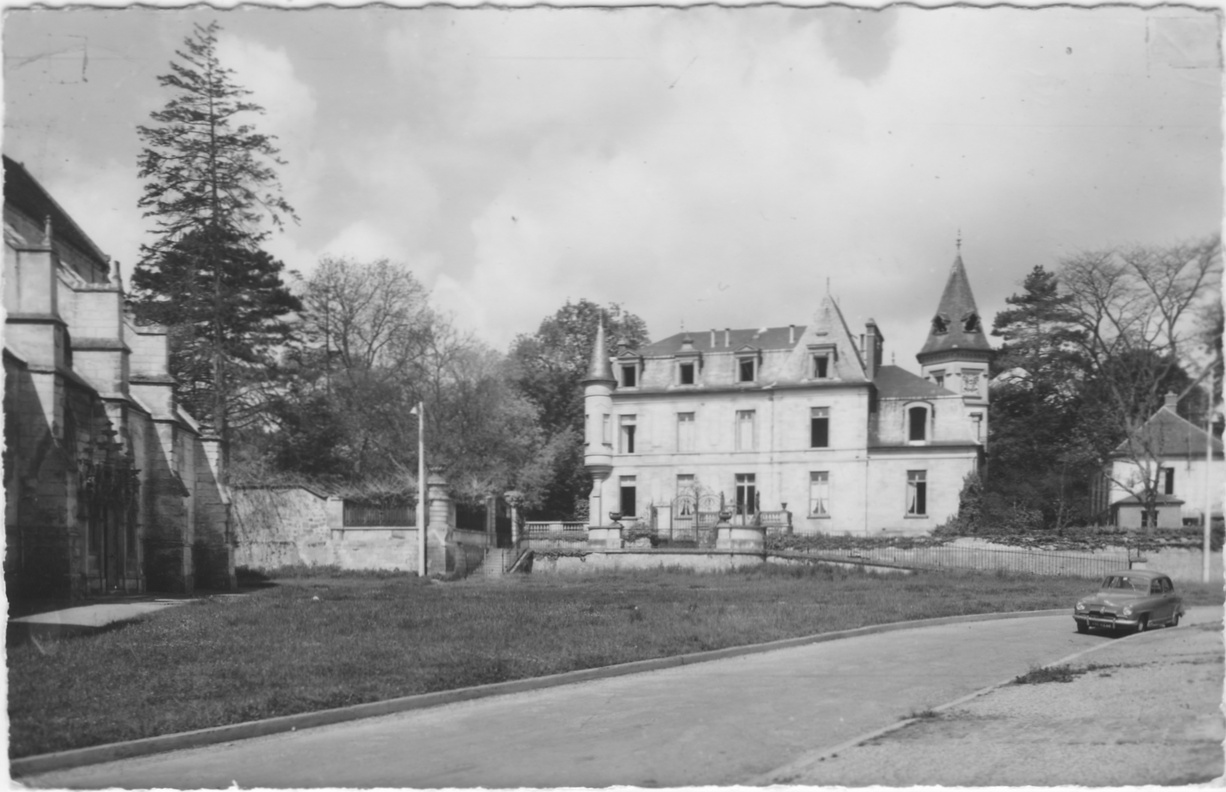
column 630, row 375
column 746, row 436
column 604, row 430
column 629, row 496
column 977, row 417
column 746, row 368
column 938, row 377
column 917, row 424
column 1168, row 481
column 819, row 494
column 685, row 373
column 628, row 428
column 685, row 431
column 917, row 493
column 819, row 427
column 686, row 502
column 746, row 493
column 821, row 360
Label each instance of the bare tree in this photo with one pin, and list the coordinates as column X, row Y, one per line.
column 1139, row 310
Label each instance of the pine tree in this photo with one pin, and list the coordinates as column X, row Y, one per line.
column 210, row 185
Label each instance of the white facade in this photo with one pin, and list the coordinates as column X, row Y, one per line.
column 798, row 418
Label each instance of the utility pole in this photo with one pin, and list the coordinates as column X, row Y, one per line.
column 1208, row 520
column 420, row 411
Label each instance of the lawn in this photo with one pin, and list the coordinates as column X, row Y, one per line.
column 307, row 644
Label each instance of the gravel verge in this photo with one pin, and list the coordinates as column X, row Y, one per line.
column 1146, row 709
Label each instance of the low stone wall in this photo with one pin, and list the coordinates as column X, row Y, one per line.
column 292, row 526
column 1184, row 565
column 617, row 560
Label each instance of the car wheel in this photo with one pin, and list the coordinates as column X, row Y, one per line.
column 1175, row 620
column 1143, row 624
column 1082, row 627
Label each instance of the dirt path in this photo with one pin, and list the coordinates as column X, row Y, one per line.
column 1143, row 710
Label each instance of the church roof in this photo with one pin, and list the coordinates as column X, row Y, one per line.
column 761, row 338
column 23, row 192
column 1166, row 433
column 894, row 382
column 957, row 324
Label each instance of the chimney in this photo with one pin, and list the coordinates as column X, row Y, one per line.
column 713, row 338
column 727, row 336
column 871, row 349
column 791, row 334
column 1171, row 401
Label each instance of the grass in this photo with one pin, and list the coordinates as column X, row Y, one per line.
column 310, row 643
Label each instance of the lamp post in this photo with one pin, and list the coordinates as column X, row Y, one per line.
column 420, row 513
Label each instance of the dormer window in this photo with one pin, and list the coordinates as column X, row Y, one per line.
column 917, row 424
column 685, row 373
column 746, row 369
column 970, row 322
column 940, row 324
column 821, row 360
column 630, row 376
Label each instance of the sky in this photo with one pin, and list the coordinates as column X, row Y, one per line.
column 704, row 167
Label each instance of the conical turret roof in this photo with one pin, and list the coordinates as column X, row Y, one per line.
column 600, row 369
column 956, row 324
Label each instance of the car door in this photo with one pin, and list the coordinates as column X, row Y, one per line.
column 1161, row 595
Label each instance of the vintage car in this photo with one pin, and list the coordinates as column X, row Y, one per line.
column 1132, row 599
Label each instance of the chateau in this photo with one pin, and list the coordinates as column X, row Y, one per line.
column 801, row 419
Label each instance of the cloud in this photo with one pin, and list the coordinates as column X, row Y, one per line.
column 290, row 111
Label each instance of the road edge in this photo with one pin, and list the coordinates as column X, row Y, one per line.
column 200, row 738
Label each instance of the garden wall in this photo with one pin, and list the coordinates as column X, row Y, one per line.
column 615, row 560
column 291, row 526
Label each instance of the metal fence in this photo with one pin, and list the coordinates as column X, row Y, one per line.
column 1039, row 562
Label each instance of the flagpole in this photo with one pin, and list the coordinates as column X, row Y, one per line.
column 421, row 489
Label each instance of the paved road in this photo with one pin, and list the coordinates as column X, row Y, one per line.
column 721, row 722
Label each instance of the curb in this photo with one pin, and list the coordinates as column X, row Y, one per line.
column 783, row 775
column 98, row 754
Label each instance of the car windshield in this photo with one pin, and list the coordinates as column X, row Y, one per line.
column 1126, row 582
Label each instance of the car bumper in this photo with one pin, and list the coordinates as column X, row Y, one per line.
column 1106, row 621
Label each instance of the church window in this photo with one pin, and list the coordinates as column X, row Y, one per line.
column 685, row 431
column 745, row 430
column 917, row 493
column 628, row 429
column 819, row 427
column 917, row 424
column 819, row 493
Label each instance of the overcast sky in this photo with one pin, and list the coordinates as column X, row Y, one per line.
column 712, row 167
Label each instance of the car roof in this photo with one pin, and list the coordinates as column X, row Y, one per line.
column 1140, row 573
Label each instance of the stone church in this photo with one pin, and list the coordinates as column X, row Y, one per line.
column 806, row 421
column 109, row 487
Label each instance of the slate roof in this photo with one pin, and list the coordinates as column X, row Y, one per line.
column 24, row 193
column 761, row 338
column 1166, row 433
column 599, row 368
column 894, row 382
column 957, row 302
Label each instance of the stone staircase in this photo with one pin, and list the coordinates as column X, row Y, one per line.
column 497, row 561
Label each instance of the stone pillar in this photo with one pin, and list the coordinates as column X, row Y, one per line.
column 440, row 520
column 607, row 536
column 514, row 499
